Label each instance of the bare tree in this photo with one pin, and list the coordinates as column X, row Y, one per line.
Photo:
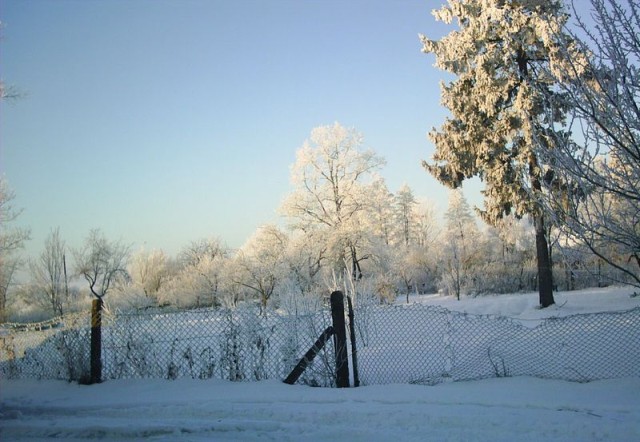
column 602, row 158
column 102, row 263
column 11, row 240
column 50, row 273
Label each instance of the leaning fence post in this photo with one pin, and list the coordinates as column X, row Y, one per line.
column 309, row 357
column 96, row 341
column 340, row 339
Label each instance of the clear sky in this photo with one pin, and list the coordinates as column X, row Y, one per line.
column 164, row 121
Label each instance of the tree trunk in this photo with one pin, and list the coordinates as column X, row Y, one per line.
column 356, row 271
column 545, row 275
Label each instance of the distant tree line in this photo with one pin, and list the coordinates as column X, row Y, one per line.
column 544, row 110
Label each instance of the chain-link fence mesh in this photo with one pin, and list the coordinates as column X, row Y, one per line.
column 423, row 344
column 396, row 344
column 238, row 345
column 55, row 349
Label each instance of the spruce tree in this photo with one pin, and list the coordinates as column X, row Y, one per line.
column 499, row 102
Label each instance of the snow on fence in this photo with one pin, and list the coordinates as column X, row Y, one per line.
column 396, row 344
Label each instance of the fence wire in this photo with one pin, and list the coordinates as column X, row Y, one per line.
column 237, row 345
column 423, row 344
column 396, row 344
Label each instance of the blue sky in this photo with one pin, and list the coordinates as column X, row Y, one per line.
column 163, row 122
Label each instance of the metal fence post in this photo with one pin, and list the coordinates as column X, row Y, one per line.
column 340, row 339
column 96, row 341
column 354, row 349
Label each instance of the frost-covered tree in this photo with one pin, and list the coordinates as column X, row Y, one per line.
column 305, row 255
column 149, row 272
column 102, row 263
column 405, row 203
column 261, row 264
column 49, row 272
column 498, row 100
column 461, row 242
column 603, row 155
column 381, row 211
column 427, row 228
column 199, row 275
column 203, row 249
column 12, row 239
column 331, row 179
column 510, row 257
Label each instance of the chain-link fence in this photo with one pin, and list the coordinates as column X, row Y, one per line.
column 423, row 344
column 54, row 349
column 396, row 344
column 238, row 345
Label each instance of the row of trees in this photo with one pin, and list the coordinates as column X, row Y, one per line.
column 546, row 118
column 411, row 252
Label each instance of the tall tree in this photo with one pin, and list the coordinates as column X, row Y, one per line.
column 498, row 125
column 380, row 211
column 11, row 241
column 50, row 272
column 405, row 203
column 461, row 243
column 330, row 176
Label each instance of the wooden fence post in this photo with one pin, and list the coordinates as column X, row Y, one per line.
column 96, row 341
column 340, row 339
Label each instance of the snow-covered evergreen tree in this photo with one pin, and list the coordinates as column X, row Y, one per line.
column 498, row 124
column 405, row 204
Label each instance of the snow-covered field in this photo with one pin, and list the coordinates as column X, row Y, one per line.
column 502, row 409
column 525, row 307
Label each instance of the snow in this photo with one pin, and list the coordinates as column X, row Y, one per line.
column 525, row 306
column 498, row 409
column 523, row 409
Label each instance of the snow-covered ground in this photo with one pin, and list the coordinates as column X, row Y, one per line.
column 525, row 306
column 501, row 409
column 505, row 409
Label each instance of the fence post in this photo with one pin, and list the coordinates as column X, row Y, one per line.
column 354, row 349
column 340, row 339
column 96, row 341
column 309, row 356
